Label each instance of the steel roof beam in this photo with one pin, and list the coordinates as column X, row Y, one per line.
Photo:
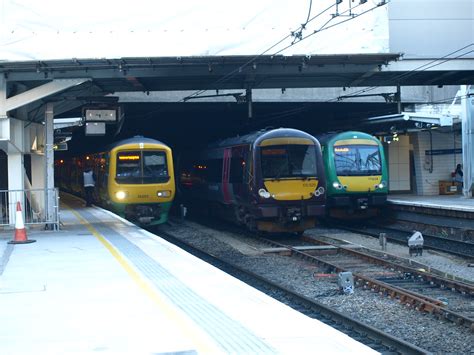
column 192, row 71
column 429, row 65
column 433, row 119
column 41, row 91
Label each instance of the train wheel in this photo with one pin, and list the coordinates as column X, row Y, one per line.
column 250, row 222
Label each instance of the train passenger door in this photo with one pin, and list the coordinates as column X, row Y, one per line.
column 226, row 174
column 237, row 172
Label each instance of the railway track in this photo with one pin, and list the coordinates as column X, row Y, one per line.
column 451, row 246
column 424, row 291
column 370, row 336
column 408, row 262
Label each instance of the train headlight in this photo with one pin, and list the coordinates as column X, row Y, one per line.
column 264, row 193
column 120, row 195
column 319, row 191
column 164, row 193
column 381, row 185
column 337, row 185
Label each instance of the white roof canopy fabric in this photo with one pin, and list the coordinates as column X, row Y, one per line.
column 36, row 30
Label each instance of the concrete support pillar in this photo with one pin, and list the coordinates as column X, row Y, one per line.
column 4, row 122
column 16, row 170
column 467, row 117
column 38, row 173
column 15, row 182
column 49, row 161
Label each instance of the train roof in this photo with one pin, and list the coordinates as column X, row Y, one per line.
column 250, row 138
column 327, row 137
column 136, row 139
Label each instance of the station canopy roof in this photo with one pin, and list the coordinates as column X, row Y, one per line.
column 211, row 45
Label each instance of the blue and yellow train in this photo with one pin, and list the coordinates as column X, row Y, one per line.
column 134, row 178
column 356, row 174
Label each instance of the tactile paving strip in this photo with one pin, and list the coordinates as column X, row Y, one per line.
column 229, row 334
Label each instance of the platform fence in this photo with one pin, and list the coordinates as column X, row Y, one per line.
column 34, row 206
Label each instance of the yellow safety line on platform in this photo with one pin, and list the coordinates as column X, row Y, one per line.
column 194, row 335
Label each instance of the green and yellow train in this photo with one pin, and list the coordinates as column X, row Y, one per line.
column 134, row 178
column 356, row 174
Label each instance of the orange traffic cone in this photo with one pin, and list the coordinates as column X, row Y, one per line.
column 20, row 231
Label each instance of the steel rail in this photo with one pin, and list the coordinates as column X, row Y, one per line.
column 439, row 280
column 365, row 334
column 410, row 298
column 430, row 240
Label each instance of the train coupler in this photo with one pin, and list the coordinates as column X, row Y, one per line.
column 362, row 203
column 293, row 215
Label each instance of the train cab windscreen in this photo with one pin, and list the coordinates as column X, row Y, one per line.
column 141, row 167
column 288, row 161
column 357, row 160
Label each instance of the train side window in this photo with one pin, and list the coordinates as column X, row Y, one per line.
column 101, row 170
column 237, row 166
column 214, row 170
column 107, row 165
column 199, row 172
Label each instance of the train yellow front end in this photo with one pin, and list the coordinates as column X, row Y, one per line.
column 293, row 188
column 133, row 178
column 141, row 185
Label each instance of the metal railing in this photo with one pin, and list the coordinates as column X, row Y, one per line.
column 34, row 206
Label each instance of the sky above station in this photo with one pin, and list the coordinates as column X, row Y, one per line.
column 37, row 30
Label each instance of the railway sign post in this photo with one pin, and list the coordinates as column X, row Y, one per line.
column 383, row 241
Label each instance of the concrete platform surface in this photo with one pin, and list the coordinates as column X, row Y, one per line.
column 448, row 202
column 102, row 285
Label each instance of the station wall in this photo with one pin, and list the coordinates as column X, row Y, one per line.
column 399, row 165
column 431, row 169
column 431, row 28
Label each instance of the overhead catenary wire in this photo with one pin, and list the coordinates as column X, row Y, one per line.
column 231, row 74
column 416, row 70
column 297, row 35
column 240, row 68
column 293, row 112
column 323, row 28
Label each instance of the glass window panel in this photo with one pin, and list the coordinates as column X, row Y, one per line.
column 287, row 161
column 357, row 160
column 155, row 168
column 141, row 167
column 129, row 167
